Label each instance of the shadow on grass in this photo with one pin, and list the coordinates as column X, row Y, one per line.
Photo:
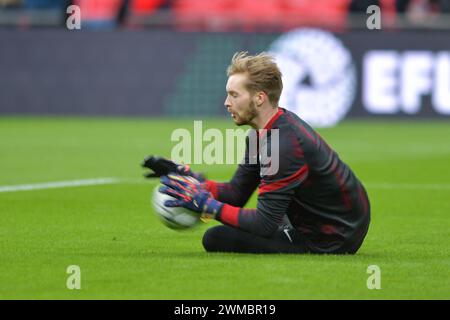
column 218, row 256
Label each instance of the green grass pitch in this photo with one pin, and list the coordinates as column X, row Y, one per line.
column 124, row 252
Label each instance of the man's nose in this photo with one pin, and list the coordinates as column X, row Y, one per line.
column 226, row 103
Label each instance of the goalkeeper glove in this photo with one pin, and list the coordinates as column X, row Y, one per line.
column 161, row 167
column 189, row 193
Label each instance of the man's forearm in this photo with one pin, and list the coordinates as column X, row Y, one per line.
column 228, row 193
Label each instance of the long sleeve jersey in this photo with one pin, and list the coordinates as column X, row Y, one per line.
column 300, row 179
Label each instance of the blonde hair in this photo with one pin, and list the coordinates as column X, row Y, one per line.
column 263, row 74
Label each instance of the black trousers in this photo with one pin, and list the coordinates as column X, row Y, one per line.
column 228, row 239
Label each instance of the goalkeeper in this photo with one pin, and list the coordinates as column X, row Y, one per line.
column 311, row 203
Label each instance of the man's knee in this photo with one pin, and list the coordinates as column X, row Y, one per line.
column 213, row 239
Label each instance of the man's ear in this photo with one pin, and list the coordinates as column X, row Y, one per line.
column 260, row 98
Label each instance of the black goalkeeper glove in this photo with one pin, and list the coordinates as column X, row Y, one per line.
column 162, row 167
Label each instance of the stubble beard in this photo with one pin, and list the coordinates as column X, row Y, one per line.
column 249, row 114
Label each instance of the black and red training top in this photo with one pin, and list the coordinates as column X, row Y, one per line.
column 307, row 186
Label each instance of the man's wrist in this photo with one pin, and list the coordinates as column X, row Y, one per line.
column 212, row 208
column 229, row 215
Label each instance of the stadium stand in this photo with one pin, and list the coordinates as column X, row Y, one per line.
column 227, row 15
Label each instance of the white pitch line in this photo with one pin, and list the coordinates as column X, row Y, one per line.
column 59, row 184
column 104, row 181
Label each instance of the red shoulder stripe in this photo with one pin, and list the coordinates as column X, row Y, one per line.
column 300, row 174
column 273, row 119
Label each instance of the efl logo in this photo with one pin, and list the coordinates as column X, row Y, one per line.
column 395, row 82
column 319, row 75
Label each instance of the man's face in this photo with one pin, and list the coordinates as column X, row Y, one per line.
column 239, row 101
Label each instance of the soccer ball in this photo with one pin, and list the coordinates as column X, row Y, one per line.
column 177, row 218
